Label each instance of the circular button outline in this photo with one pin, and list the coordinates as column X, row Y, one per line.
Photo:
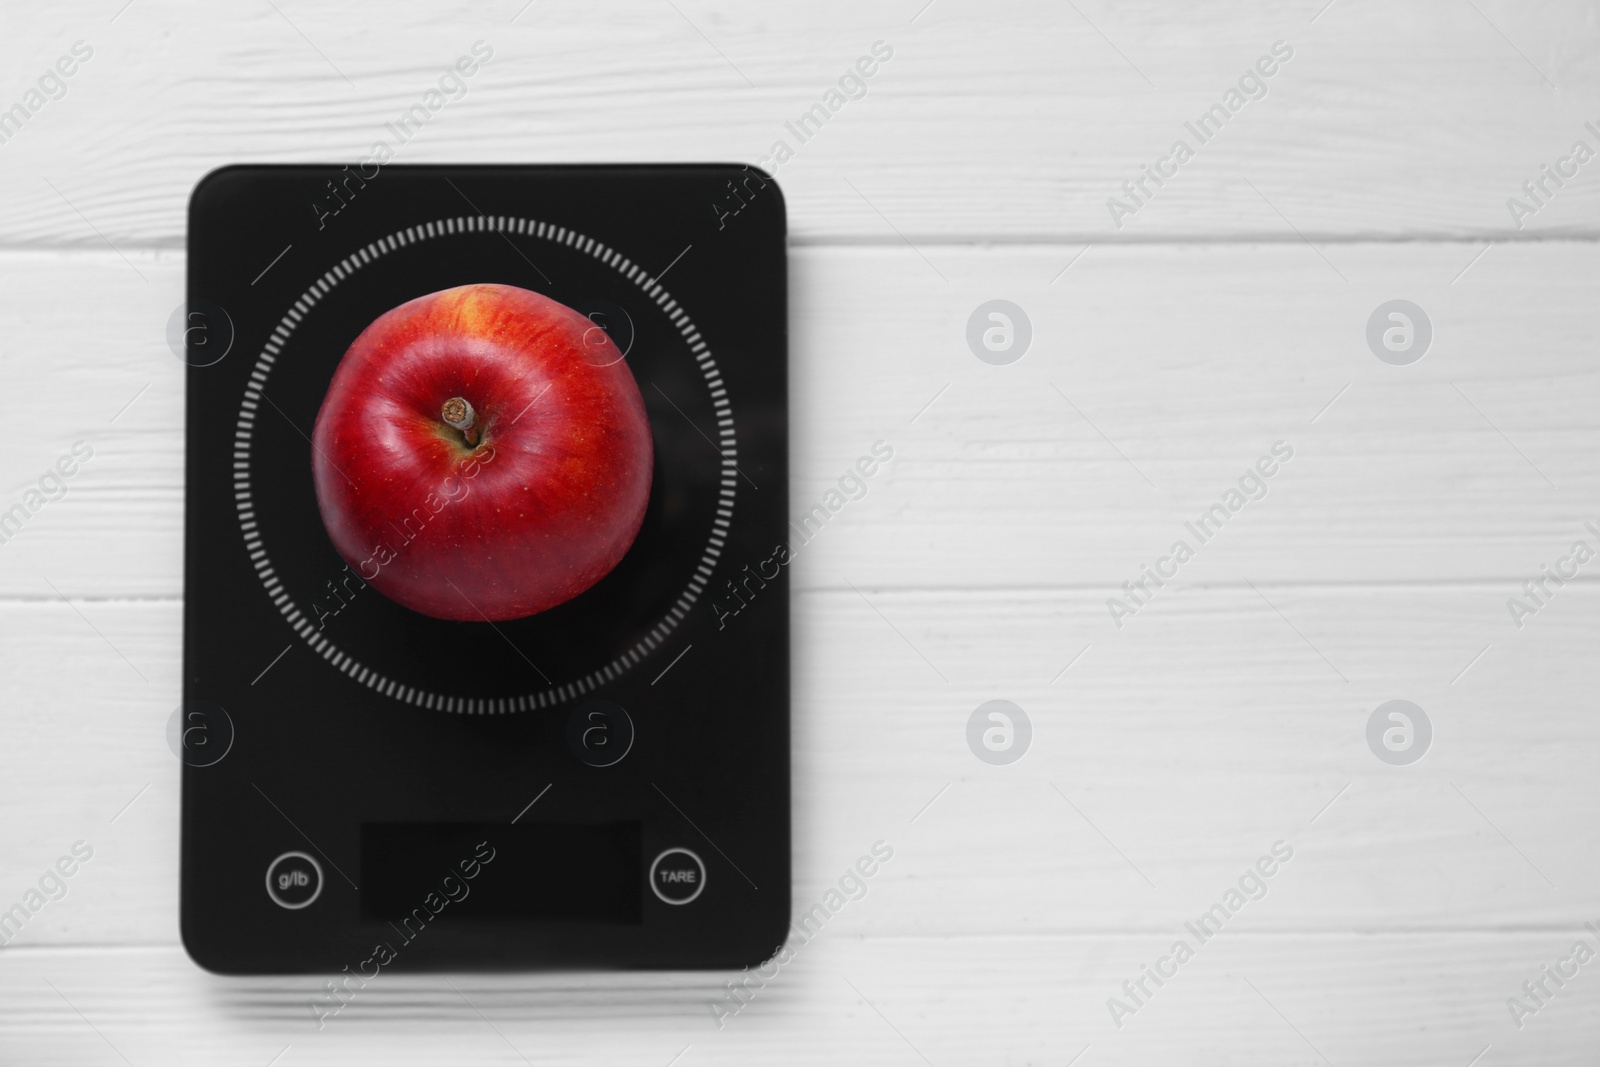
column 701, row 888
column 314, row 866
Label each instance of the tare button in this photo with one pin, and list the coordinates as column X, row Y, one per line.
column 677, row 876
column 294, row 880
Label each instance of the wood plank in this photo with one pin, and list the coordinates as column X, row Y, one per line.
column 1016, row 123
column 1157, row 377
column 1243, row 999
column 1170, row 757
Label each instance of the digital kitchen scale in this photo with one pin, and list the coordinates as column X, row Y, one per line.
column 601, row 785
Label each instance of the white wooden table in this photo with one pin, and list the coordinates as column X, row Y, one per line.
column 1228, row 313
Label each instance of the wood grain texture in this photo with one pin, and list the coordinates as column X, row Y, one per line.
column 1171, row 756
column 1170, row 752
column 1156, row 378
column 1013, row 122
column 1023, row 1000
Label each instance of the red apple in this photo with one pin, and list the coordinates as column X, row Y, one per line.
column 483, row 453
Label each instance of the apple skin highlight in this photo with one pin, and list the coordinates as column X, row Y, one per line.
column 543, row 503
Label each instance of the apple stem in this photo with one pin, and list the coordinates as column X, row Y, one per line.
column 458, row 413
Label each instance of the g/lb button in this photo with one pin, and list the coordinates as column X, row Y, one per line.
column 677, row 876
column 294, row 880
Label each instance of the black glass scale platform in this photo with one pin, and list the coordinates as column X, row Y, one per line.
column 603, row 784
